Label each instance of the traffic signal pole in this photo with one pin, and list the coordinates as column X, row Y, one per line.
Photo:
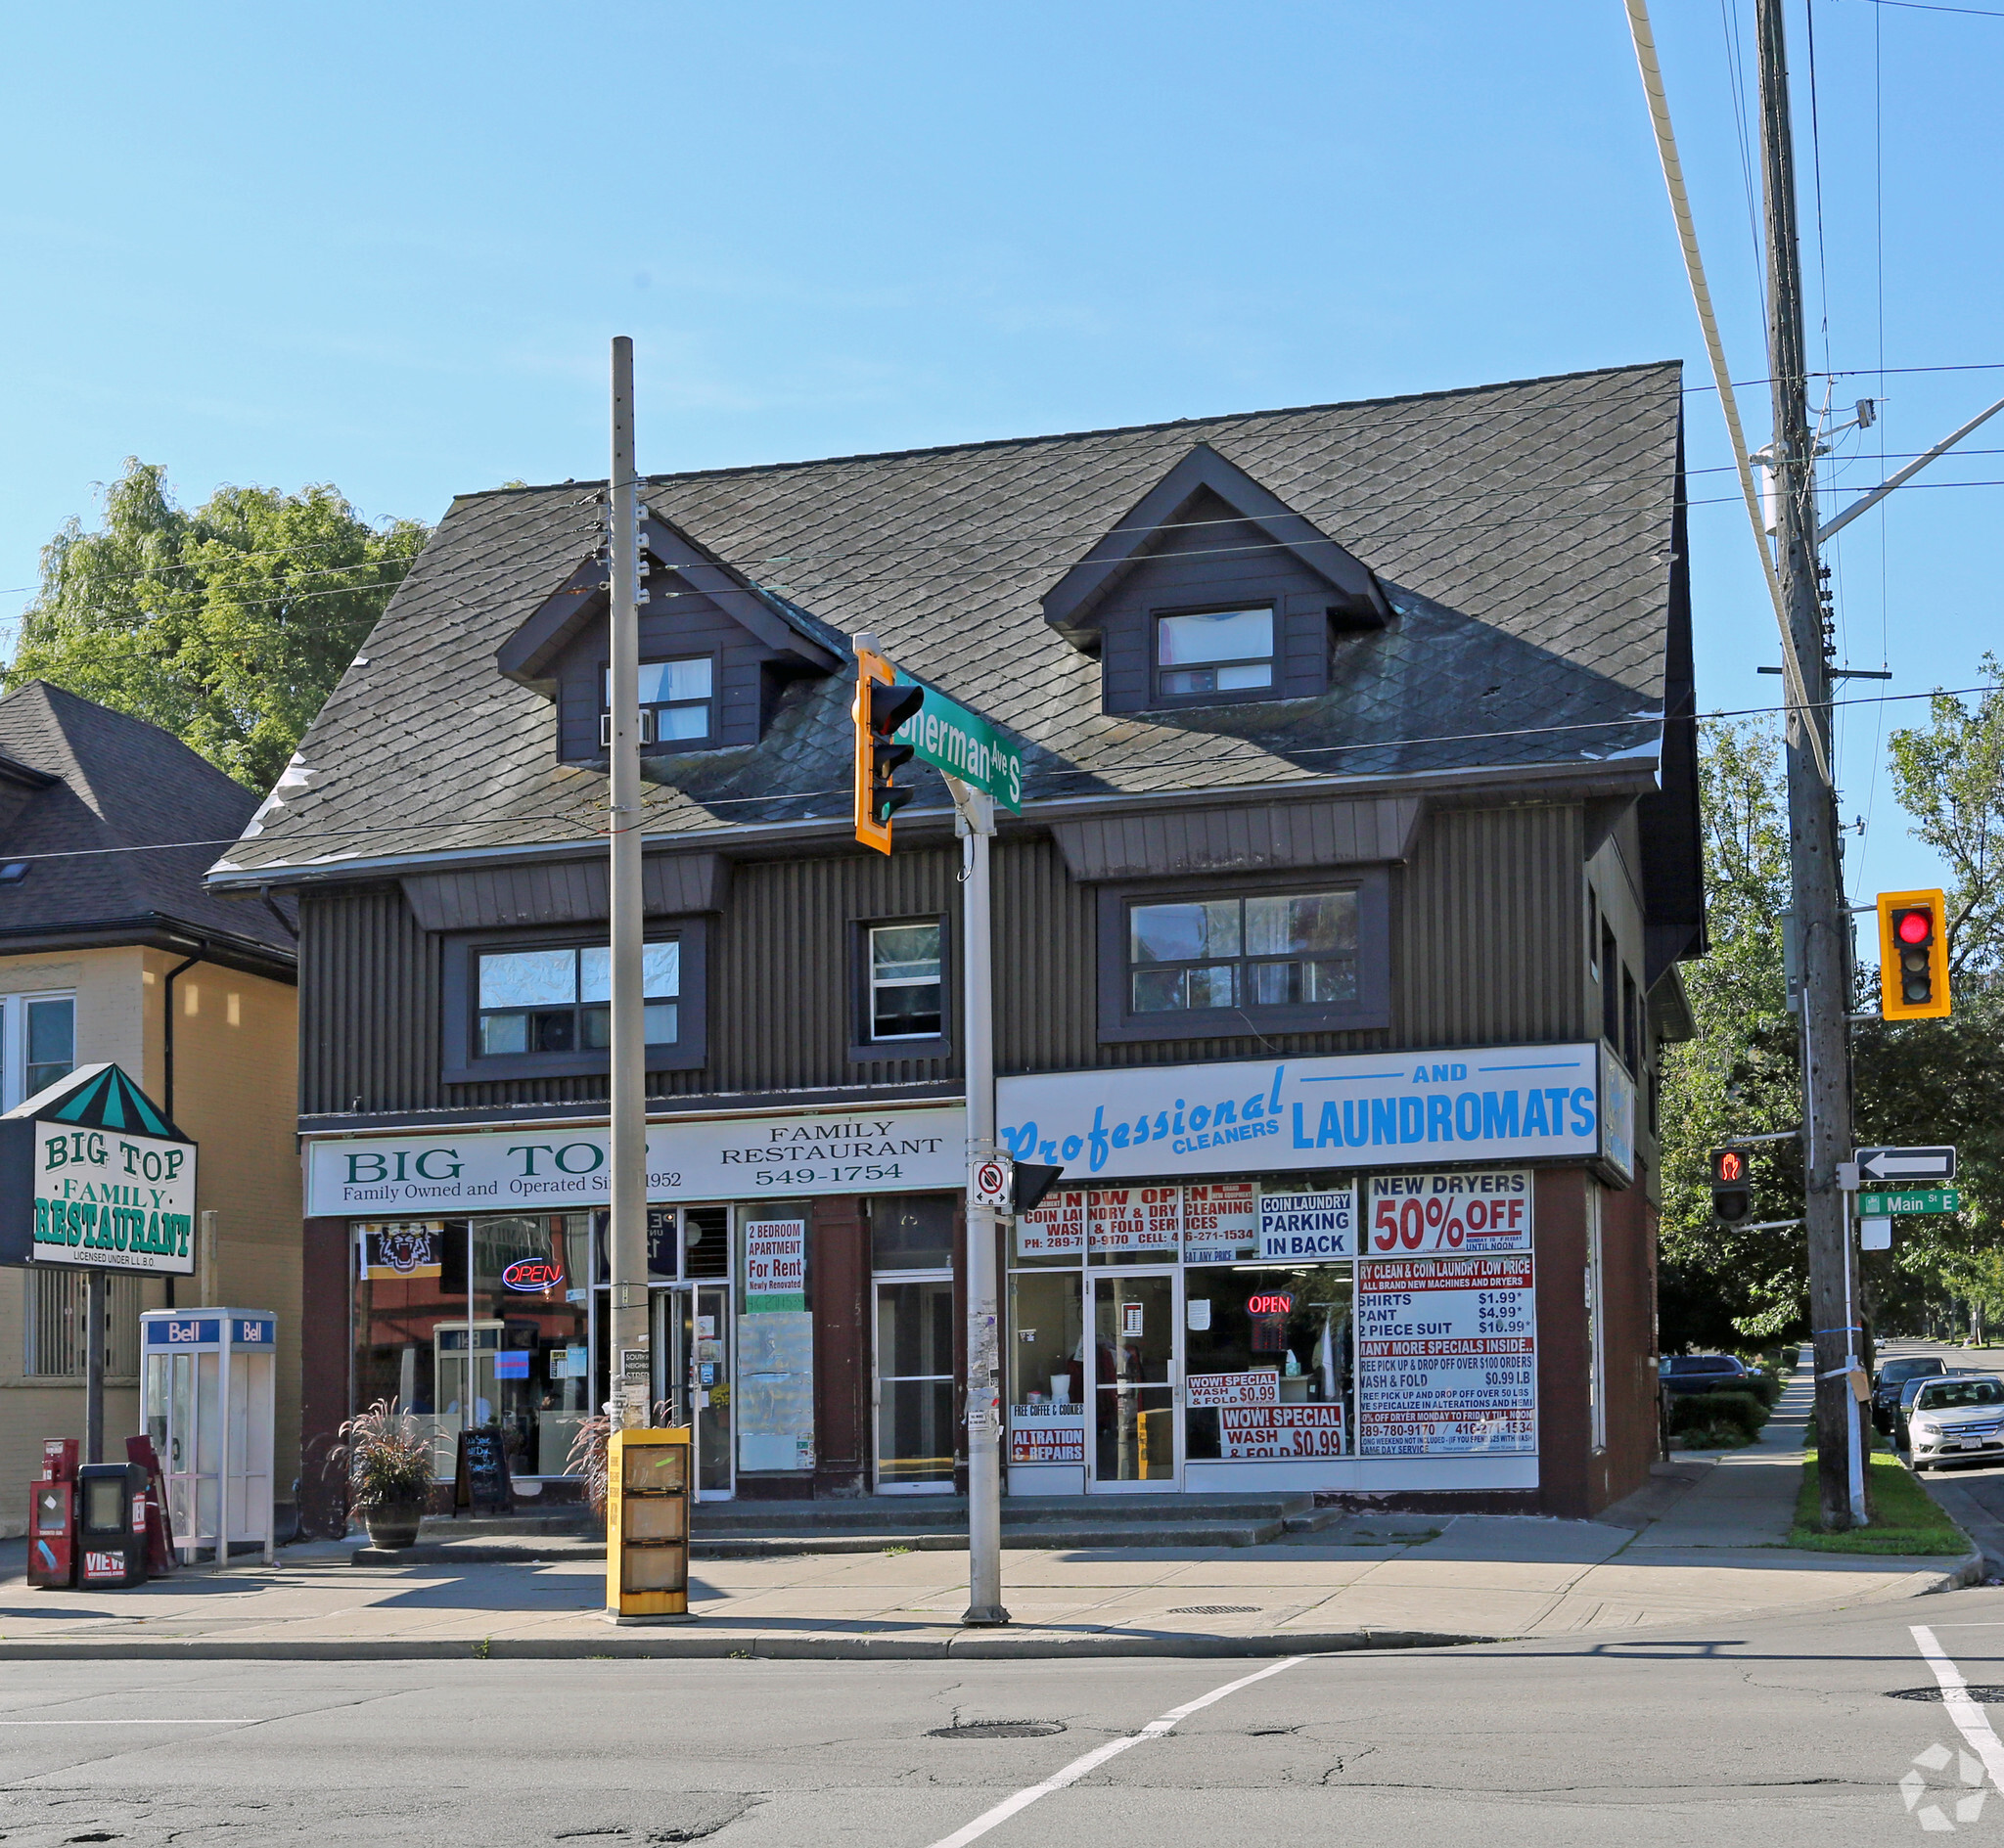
column 975, row 823
column 1816, row 874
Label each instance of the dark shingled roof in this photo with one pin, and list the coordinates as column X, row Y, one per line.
column 1523, row 533
column 79, row 779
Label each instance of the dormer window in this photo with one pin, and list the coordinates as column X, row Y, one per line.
column 675, row 699
column 1207, row 652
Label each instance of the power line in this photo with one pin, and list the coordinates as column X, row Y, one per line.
column 1181, row 760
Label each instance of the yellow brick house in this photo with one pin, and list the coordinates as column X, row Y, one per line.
column 112, row 949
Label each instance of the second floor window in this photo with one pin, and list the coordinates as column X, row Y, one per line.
column 1212, row 652
column 49, row 1041
column 560, row 1000
column 905, row 995
column 37, row 1043
column 679, row 694
column 1272, row 951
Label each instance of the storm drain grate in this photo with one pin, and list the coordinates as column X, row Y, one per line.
column 1988, row 1696
column 1210, row 1610
column 999, row 1729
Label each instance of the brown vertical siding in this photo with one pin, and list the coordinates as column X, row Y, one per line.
column 1485, row 923
column 1489, row 929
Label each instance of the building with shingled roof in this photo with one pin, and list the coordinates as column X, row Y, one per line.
column 113, row 948
column 1338, row 934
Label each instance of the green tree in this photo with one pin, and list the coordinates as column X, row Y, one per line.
column 227, row 626
column 1937, row 1081
column 1740, row 1076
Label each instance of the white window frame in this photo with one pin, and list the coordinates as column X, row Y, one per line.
column 14, row 1040
column 873, row 985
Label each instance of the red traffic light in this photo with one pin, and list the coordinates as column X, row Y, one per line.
column 1914, row 926
column 1731, row 1166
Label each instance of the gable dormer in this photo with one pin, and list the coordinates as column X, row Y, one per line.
column 716, row 651
column 1212, row 591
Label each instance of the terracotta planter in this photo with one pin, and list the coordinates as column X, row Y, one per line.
column 392, row 1524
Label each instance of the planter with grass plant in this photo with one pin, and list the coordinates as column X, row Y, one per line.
column 389, row 1460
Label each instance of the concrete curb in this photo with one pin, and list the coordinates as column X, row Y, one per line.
column 671, row 1644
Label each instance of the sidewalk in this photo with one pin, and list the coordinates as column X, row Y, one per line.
column 1701, row 1543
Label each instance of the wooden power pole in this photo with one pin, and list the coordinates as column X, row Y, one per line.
column 1817, row 876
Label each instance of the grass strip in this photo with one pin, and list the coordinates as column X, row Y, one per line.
column 1906, row 1517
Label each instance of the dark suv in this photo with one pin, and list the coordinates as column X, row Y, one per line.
column 1702, row 1372
column 1887, row 1382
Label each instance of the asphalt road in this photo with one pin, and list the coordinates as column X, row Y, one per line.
column 1776, row 1732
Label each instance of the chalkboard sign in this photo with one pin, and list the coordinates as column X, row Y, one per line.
column 481, row 1478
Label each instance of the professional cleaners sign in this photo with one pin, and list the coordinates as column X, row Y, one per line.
column 92, row 1174
column 1367, row 1110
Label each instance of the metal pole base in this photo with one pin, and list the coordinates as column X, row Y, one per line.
column 983, row 1617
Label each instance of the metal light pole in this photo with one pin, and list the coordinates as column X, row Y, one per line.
column 632, row 1377
column 975, row 823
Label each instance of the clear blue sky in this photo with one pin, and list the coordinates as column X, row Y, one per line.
column 385, row 246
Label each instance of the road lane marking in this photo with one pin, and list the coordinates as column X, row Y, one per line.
column 130, row 1723
column 1971, row 1720
column 1079, row 1767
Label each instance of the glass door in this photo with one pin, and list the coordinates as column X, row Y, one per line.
column 709, row 1389
column 1137, row 1381
column 450, row 1390
column 914, row 1385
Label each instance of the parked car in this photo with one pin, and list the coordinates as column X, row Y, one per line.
column 1702, row 1372
column 1956, row 1416
column 1887, row 1380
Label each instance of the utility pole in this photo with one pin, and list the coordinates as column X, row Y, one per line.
column 632, row 1374
column 1816, row 875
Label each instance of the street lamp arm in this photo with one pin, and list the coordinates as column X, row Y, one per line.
column 1837, row 524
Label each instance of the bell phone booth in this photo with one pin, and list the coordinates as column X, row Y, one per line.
column 208, row 1395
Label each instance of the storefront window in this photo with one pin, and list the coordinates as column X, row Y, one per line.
column 1270, row 1355
column 1047, row 1368
column 514, row 1358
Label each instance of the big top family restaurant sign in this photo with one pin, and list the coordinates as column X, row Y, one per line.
column 93, row 1175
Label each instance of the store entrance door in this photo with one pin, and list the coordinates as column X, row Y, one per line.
column 914, row 1385
column 1136, row 1390
column 691, row 1336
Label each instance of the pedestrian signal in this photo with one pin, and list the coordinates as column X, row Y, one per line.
column 881, row 708
column 1732, row 1188
column 1913, row 956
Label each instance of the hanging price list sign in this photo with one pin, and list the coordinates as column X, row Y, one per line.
column 1446, row 1356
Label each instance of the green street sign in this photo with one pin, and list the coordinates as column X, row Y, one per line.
column 947, row 736
column 1925, row 1199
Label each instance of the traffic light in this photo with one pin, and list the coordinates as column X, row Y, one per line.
column 882, row 706
column 1913, row 956
column 1033, row 1181
column 1732, row 1188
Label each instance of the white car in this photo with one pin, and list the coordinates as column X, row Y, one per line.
column 1961, row 1416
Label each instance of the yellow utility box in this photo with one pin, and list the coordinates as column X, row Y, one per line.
column 647, row 1527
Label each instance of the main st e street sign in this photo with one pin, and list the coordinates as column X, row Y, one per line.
column 94, row 1176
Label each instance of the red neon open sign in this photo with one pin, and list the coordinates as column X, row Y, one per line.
column 1279, row 1304
column 533, row 1275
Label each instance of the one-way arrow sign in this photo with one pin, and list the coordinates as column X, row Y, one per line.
column 1906, row 1164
